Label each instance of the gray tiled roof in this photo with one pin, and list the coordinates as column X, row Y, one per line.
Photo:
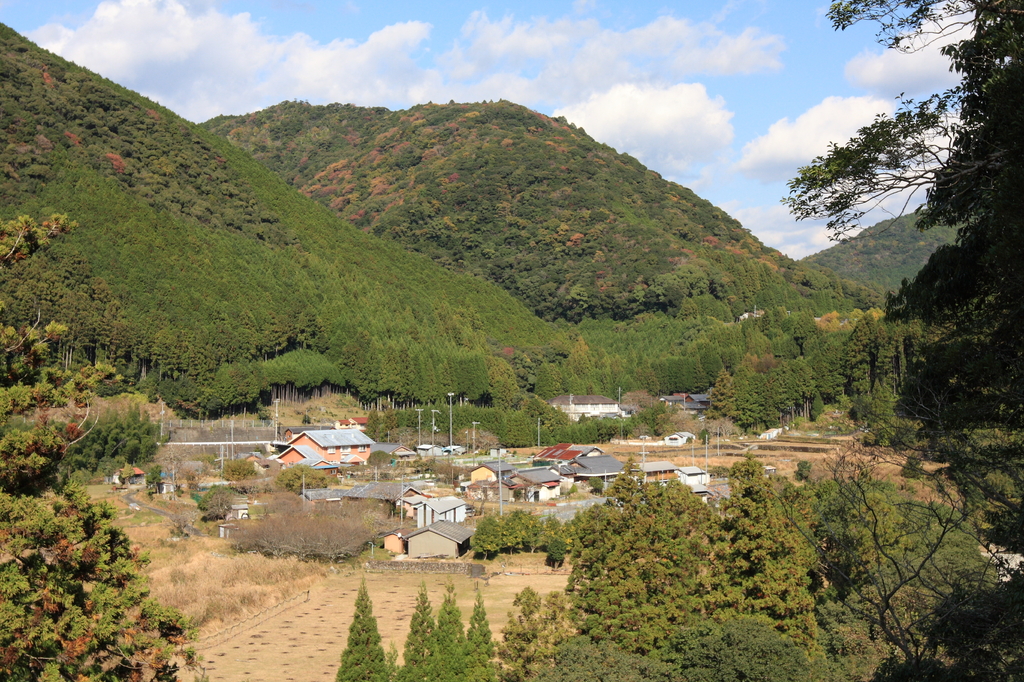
column 445, row 529
column 382, row 490
column 444, row 504
column 648, row 467
column 331, row 438
column 506, row 468
column 602, row 465
column 540, row 475
column 323, row 494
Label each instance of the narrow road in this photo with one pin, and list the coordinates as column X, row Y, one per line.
column 190, row 529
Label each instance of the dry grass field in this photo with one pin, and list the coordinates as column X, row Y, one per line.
column 246, row 636
column 304, row 642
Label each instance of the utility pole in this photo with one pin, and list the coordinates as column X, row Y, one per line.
column 419, row 428
column 621, row 414
column 707, row 437
column 501, row 497
column 474, row 438
column 450, row 441
column 433, row 429
column 538, row 432
column 277, row 418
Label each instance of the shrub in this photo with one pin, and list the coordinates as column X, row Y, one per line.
column 803, row 470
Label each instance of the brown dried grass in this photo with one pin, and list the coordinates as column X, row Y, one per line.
column 215, row 587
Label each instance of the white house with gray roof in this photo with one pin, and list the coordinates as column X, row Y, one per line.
column 430, row 510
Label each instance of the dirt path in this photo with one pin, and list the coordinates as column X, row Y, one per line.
column 303, row 643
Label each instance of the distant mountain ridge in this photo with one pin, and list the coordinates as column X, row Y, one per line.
column 886, row 253
column 566, row 224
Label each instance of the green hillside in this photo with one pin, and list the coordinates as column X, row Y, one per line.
column 885, row 254
column 206, row 278
column 567, row 225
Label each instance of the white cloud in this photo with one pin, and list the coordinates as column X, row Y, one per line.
column 776, row 227
column 891, row 73
column 568, row 60
column 201, row 62
column 919, row 67
column 669, row 128
column 788, row 145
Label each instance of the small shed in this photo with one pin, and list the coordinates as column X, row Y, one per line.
column 226, row 529
column 394, row 541
column 442, row 538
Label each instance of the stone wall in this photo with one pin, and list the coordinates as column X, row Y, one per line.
column 455, row 567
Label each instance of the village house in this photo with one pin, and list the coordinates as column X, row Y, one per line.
column 440, row 539
column 426, row 450
column 604, row 467
column 358, row 423
column 680, row 438
column 304, row 455
column 697, row 403
column 593, row 406
column 566, row 452
column 397, row 451
column 538, row 484
column 660, row 472
column 348, row 446
column 693, row 475
column 318, row 496
column 487, row 491
column 488, row 471
column 431, row 510
column 290, row 432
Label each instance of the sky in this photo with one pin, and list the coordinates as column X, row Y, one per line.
column 726, row 98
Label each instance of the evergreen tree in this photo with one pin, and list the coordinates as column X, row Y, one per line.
column 363, row 659
column 416, row 655
column 639, row 563
column 73, row 598
column 817, row 407
column 531, row 639
column 763, row 562
column 479, row 646
column 723, row 397
column 447, row 643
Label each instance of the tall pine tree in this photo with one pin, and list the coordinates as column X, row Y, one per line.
column 763, row 563
column 416, row 656
column 447, row 643
column 479, row 646
column 363, row 659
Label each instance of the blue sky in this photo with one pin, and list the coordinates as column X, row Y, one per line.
column 727, row 98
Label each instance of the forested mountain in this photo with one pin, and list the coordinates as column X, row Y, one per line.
column 566, row 224
column 884, row 254
column 205, row 277
column 213, row 284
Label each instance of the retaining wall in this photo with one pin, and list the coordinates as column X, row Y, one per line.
column 452, row 567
